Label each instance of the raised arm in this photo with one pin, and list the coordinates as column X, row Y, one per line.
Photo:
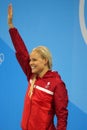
column 20, row 48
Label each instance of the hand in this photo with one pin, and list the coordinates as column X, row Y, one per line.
column 10, row 16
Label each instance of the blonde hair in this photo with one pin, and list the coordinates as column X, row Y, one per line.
column 45, row 53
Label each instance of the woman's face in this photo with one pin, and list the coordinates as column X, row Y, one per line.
column 37, row 63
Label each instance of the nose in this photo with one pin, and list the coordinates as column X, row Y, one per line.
column 30, row 62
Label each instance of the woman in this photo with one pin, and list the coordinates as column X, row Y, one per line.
column 46, row 94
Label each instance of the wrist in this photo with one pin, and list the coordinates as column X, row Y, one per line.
column 11, row 25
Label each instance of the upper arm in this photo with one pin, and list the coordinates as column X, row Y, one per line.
column 24, row 63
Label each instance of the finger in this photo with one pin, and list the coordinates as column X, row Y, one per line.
column 10, row 9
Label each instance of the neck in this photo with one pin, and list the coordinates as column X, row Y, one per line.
column 43, row 73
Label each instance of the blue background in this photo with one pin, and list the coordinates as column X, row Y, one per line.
column 55, row 24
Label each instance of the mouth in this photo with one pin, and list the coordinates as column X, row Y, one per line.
column 33, row 67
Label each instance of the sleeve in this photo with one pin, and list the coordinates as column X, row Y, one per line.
column 22, row 54
column 61, row 103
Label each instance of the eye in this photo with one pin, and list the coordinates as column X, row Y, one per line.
column 33, row 59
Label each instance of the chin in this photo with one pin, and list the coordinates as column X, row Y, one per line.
column 34, row 72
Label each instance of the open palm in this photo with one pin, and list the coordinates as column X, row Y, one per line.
column 10, row 14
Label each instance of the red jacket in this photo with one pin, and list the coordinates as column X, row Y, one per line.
column 49, row 98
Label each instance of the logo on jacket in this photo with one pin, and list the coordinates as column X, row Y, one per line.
column 48, row 85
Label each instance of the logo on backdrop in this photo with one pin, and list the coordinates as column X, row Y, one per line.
column 1, row 58
column 82, row 20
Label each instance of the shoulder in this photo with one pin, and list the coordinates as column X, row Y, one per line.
column 56, row 75
column 59, row 83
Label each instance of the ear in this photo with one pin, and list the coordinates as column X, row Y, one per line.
column 45, row 61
